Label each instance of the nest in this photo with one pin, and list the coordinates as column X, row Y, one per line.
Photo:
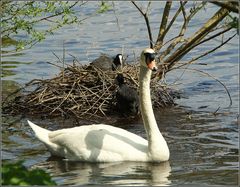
column 81, row 91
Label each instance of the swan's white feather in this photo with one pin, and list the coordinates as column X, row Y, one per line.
column 94, row 143
column 39, row 132
column 105, row 143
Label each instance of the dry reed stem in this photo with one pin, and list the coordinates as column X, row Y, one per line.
column 84, row 92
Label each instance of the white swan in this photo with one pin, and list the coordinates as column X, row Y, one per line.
column 105, row 143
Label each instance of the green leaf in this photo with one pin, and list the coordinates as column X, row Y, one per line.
column 18, row 174
column 104, row 7
column 24, row 17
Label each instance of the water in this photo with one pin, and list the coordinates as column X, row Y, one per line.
column 202, row 131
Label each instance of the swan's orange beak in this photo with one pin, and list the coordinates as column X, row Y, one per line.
column 152, row 66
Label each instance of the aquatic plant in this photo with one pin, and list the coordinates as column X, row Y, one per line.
column 17, row 174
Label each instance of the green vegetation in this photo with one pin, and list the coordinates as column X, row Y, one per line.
column 17, row 174
column 233, row 22
column 104, row 7
column 24, row 17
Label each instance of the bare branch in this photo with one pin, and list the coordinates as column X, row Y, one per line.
column 163, row 26
column 207, row 74
column 196, row 38
column 231, row 6
column 145, row 15
column 183, row 10
column 204, row 54
column 213, row 36
column 139, row 9
column 149, row 4
column 175, row 16
column 180, row 35
column 114, row 11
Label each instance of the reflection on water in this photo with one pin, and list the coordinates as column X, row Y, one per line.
column 203, row 147
column 120, row 173
column 203, row 141
column 9, row 87
column 203, row 150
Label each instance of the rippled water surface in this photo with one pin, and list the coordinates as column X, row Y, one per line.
column 202, row 131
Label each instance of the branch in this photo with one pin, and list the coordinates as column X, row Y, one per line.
column 196, row 38
column 57, row 14
column 47, row 18
column 175, row 16
column 145, row 15
column 231, row 6
column 213, row 36
column 163, row 26
column 178, row 39
column 204, row 73
column 204, row 54
column 183, row 10
column 180, row 35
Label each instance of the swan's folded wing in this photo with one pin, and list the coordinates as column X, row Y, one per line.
column 99, row 143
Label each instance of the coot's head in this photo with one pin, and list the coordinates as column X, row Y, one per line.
column 117, row 62
column 120, row 79
column 148, row 59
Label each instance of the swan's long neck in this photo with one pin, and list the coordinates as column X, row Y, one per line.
column 157, row 146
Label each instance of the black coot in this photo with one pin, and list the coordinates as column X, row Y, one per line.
column 104, row 62
column 127, row 98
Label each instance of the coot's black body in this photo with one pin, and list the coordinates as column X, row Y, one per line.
column 127, row 98
column 104, row 62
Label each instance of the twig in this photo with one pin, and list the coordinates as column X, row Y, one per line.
column 114, row 11
column 213, row 36
column 215, row 112
column 197, row 37
column 63, row 58
column 57, row 57
column 54, row 64
column 206, row 53
column 65, row 98
column 85, row 92
column 204, row 73
column 145, row 15
column 183, row 29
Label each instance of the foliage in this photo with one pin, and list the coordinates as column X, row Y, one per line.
column 233, row 22
column 23, row 18
column 17, row 174
column 104, row 6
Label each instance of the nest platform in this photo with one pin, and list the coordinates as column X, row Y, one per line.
column 82, row 91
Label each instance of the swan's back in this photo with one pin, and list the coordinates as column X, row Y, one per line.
column 96, row 143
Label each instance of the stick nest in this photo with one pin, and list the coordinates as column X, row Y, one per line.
column 80, row 91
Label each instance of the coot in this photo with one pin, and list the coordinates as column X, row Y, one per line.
column 126, row 98
column 104, row 62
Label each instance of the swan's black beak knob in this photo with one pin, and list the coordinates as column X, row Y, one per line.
column 154, row 69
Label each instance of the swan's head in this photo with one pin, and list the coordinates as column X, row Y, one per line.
column 148, row 59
